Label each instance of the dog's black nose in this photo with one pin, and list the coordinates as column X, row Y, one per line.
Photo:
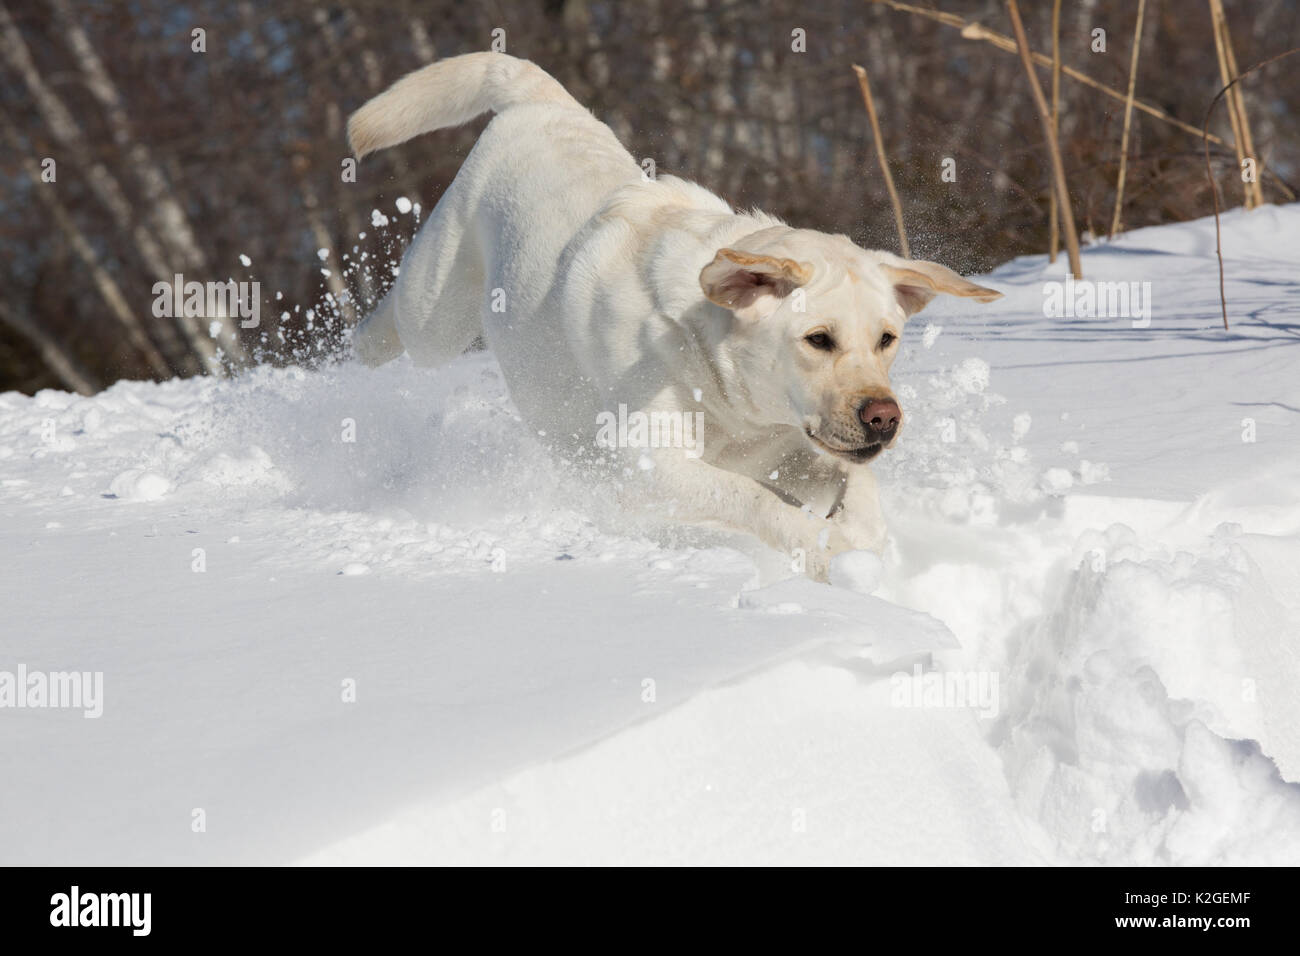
column 880, row 417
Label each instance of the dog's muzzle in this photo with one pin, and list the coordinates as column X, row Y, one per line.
column 880, row 420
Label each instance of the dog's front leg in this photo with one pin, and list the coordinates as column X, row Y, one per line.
column 859, row 516
column 692, row 490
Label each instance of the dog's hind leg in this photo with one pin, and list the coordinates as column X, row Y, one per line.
column 375, row 340
column 434, row 310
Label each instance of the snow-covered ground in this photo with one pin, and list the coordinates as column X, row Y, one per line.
column 353, row 616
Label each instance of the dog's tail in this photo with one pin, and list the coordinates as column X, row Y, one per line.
column 449, row 93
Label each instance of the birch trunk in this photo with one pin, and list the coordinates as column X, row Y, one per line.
column 163, row 208
column 119, row 309
column 69, row 370
column 180, row 339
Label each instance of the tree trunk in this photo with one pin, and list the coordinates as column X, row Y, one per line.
column 69, row 370
column 105, row 187
column 118, row 307
column 164, row 209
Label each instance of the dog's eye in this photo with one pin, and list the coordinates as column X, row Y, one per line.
column 887, row 340
column 820, row 340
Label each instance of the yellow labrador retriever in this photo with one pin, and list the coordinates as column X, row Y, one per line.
column 733, row 369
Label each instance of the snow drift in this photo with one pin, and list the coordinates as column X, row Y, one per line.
column 346, row 616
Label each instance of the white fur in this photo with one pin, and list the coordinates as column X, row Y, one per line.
column 596, row 288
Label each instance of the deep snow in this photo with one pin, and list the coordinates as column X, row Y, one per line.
column 1081, row 538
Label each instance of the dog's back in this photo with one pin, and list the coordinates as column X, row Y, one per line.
column 540, row 170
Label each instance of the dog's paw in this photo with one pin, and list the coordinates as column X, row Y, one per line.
column 818, row 549
column 861, row 522
column 862, row 536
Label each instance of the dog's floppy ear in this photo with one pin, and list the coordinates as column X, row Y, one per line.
column 750, row 285
column 916, row 282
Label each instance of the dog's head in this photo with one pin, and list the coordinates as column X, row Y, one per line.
column 817, row 323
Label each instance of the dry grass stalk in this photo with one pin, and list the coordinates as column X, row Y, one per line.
column 1128, row 119
column 974, row 31
column 1218, row 26
column 1237, row 104
column 884, row 161
column 1054, row 215
column 1054, row 147
column 1209, row 173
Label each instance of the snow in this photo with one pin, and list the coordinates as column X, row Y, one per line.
column 137, row 484
column 358, row 616
column 859, row 571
